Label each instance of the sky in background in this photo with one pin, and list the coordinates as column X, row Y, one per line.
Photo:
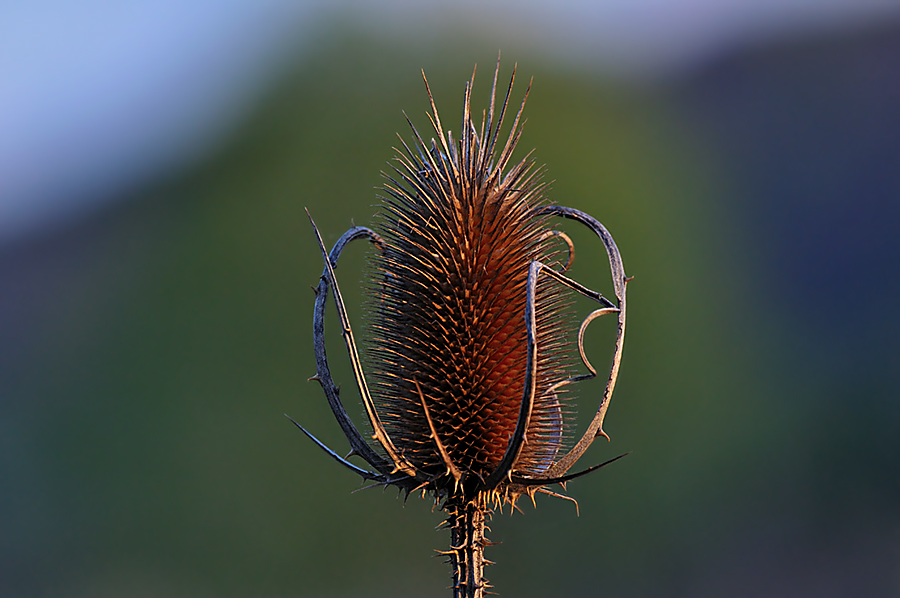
column 97, row 96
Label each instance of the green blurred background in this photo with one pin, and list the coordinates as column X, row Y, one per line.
column 150, row 350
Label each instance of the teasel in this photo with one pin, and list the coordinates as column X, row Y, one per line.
column 468, row 326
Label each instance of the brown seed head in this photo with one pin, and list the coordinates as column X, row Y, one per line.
column 447, row 306
column 468, row 333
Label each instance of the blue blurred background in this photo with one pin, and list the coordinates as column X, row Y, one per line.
column 155, row 317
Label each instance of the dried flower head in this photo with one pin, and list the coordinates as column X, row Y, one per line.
column 467, row 350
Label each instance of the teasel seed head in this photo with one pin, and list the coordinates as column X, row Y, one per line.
column 469, row 336
column 470, row 342
column 447, row 303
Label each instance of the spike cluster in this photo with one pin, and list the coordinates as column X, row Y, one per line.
column 448, row 304
column 469, row 343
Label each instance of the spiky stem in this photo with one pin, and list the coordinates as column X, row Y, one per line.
column 466, row 519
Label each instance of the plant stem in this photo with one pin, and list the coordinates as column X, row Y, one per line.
column 466, row 521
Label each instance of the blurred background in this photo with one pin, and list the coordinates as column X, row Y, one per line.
column 155, row 316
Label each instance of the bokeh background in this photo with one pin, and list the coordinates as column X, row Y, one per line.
column 155, row 311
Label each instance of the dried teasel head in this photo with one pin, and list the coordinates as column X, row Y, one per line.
column 467, row 350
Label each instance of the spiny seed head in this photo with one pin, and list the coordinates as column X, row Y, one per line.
column 468, row 343
column 448, row 298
